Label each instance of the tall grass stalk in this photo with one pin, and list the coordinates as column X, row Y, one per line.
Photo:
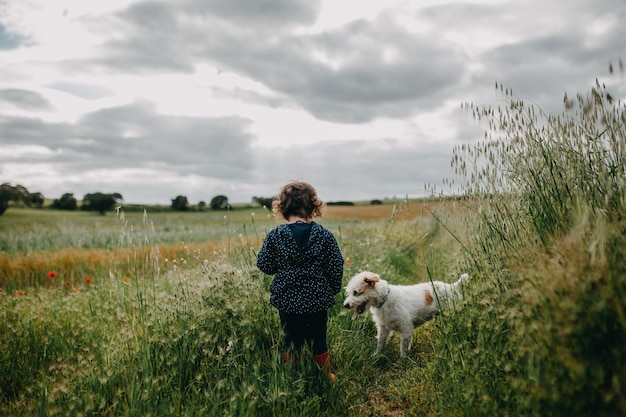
column 544, row 327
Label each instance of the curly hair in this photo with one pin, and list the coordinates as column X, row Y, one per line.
column 298, row 198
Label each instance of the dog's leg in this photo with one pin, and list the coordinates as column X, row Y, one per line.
column 406, row 337
column 383, row 335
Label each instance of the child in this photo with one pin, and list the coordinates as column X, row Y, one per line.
column 308, row 269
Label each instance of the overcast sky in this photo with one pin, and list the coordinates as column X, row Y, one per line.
column 362, row 98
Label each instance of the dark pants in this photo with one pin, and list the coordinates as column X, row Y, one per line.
column 309, row 328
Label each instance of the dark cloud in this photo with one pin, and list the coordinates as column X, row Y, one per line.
column 561, row 49
column 275, row 15
column 356, row 169
column 366, row 83
column 25, row 130
column 361, row 71
column 135, row 136
column 145, row 38
column 24, row 99
column 201, row 157
column 156, row 37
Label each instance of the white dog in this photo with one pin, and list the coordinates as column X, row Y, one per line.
column 399, row 307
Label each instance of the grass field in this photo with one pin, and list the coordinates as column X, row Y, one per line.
column 166, row 314
column 84, row 311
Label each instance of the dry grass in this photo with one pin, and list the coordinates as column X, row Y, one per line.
column 19, row 271
column 400, row 211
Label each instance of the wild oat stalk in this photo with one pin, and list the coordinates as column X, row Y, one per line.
column 537, row 169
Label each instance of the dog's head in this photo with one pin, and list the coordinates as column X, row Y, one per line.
column 362, row 292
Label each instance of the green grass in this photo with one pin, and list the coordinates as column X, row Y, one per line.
column 31, row 230
column 159, row 344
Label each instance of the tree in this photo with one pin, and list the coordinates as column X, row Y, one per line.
column 265, row 202
column 36, row 200
column 219, row 202
column 12, row 193
column 66, row 202
column 201, row 205
column 180, row 203
column 100, row 202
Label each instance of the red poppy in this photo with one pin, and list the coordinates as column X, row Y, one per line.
column 67, row 283
column 87, row 280
column 20, row 293
column 52, row 275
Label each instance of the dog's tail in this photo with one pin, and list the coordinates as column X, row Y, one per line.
column 462, row 280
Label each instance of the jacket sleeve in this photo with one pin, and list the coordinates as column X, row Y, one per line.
column 334, row 266
column 266, row 258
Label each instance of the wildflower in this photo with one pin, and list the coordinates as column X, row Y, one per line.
column 67, row 283
column 229, row 346
column 52, row 275
column 20, row 293
column 77, row 289
column 87, row 280
column 126, row 279
column 348, row 261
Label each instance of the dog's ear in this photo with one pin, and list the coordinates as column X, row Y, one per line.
column 371, row 279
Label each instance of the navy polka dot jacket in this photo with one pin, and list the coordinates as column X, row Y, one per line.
column 306, row 278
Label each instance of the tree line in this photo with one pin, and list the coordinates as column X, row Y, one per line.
column 18, row 195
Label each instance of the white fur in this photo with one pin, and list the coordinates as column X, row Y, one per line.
column 399, row 308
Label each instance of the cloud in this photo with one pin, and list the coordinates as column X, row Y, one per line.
column 24, row 99
column 274, row 15
column 356, row 169
column 372, row 70
column 368, row 69
column 135, row 136
column 34, row 131
column 540, row 56
column 154, row 99
column 124, row 147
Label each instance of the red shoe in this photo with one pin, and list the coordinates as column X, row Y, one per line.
column 323, row 362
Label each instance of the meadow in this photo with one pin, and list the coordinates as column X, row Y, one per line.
column 165, row 314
